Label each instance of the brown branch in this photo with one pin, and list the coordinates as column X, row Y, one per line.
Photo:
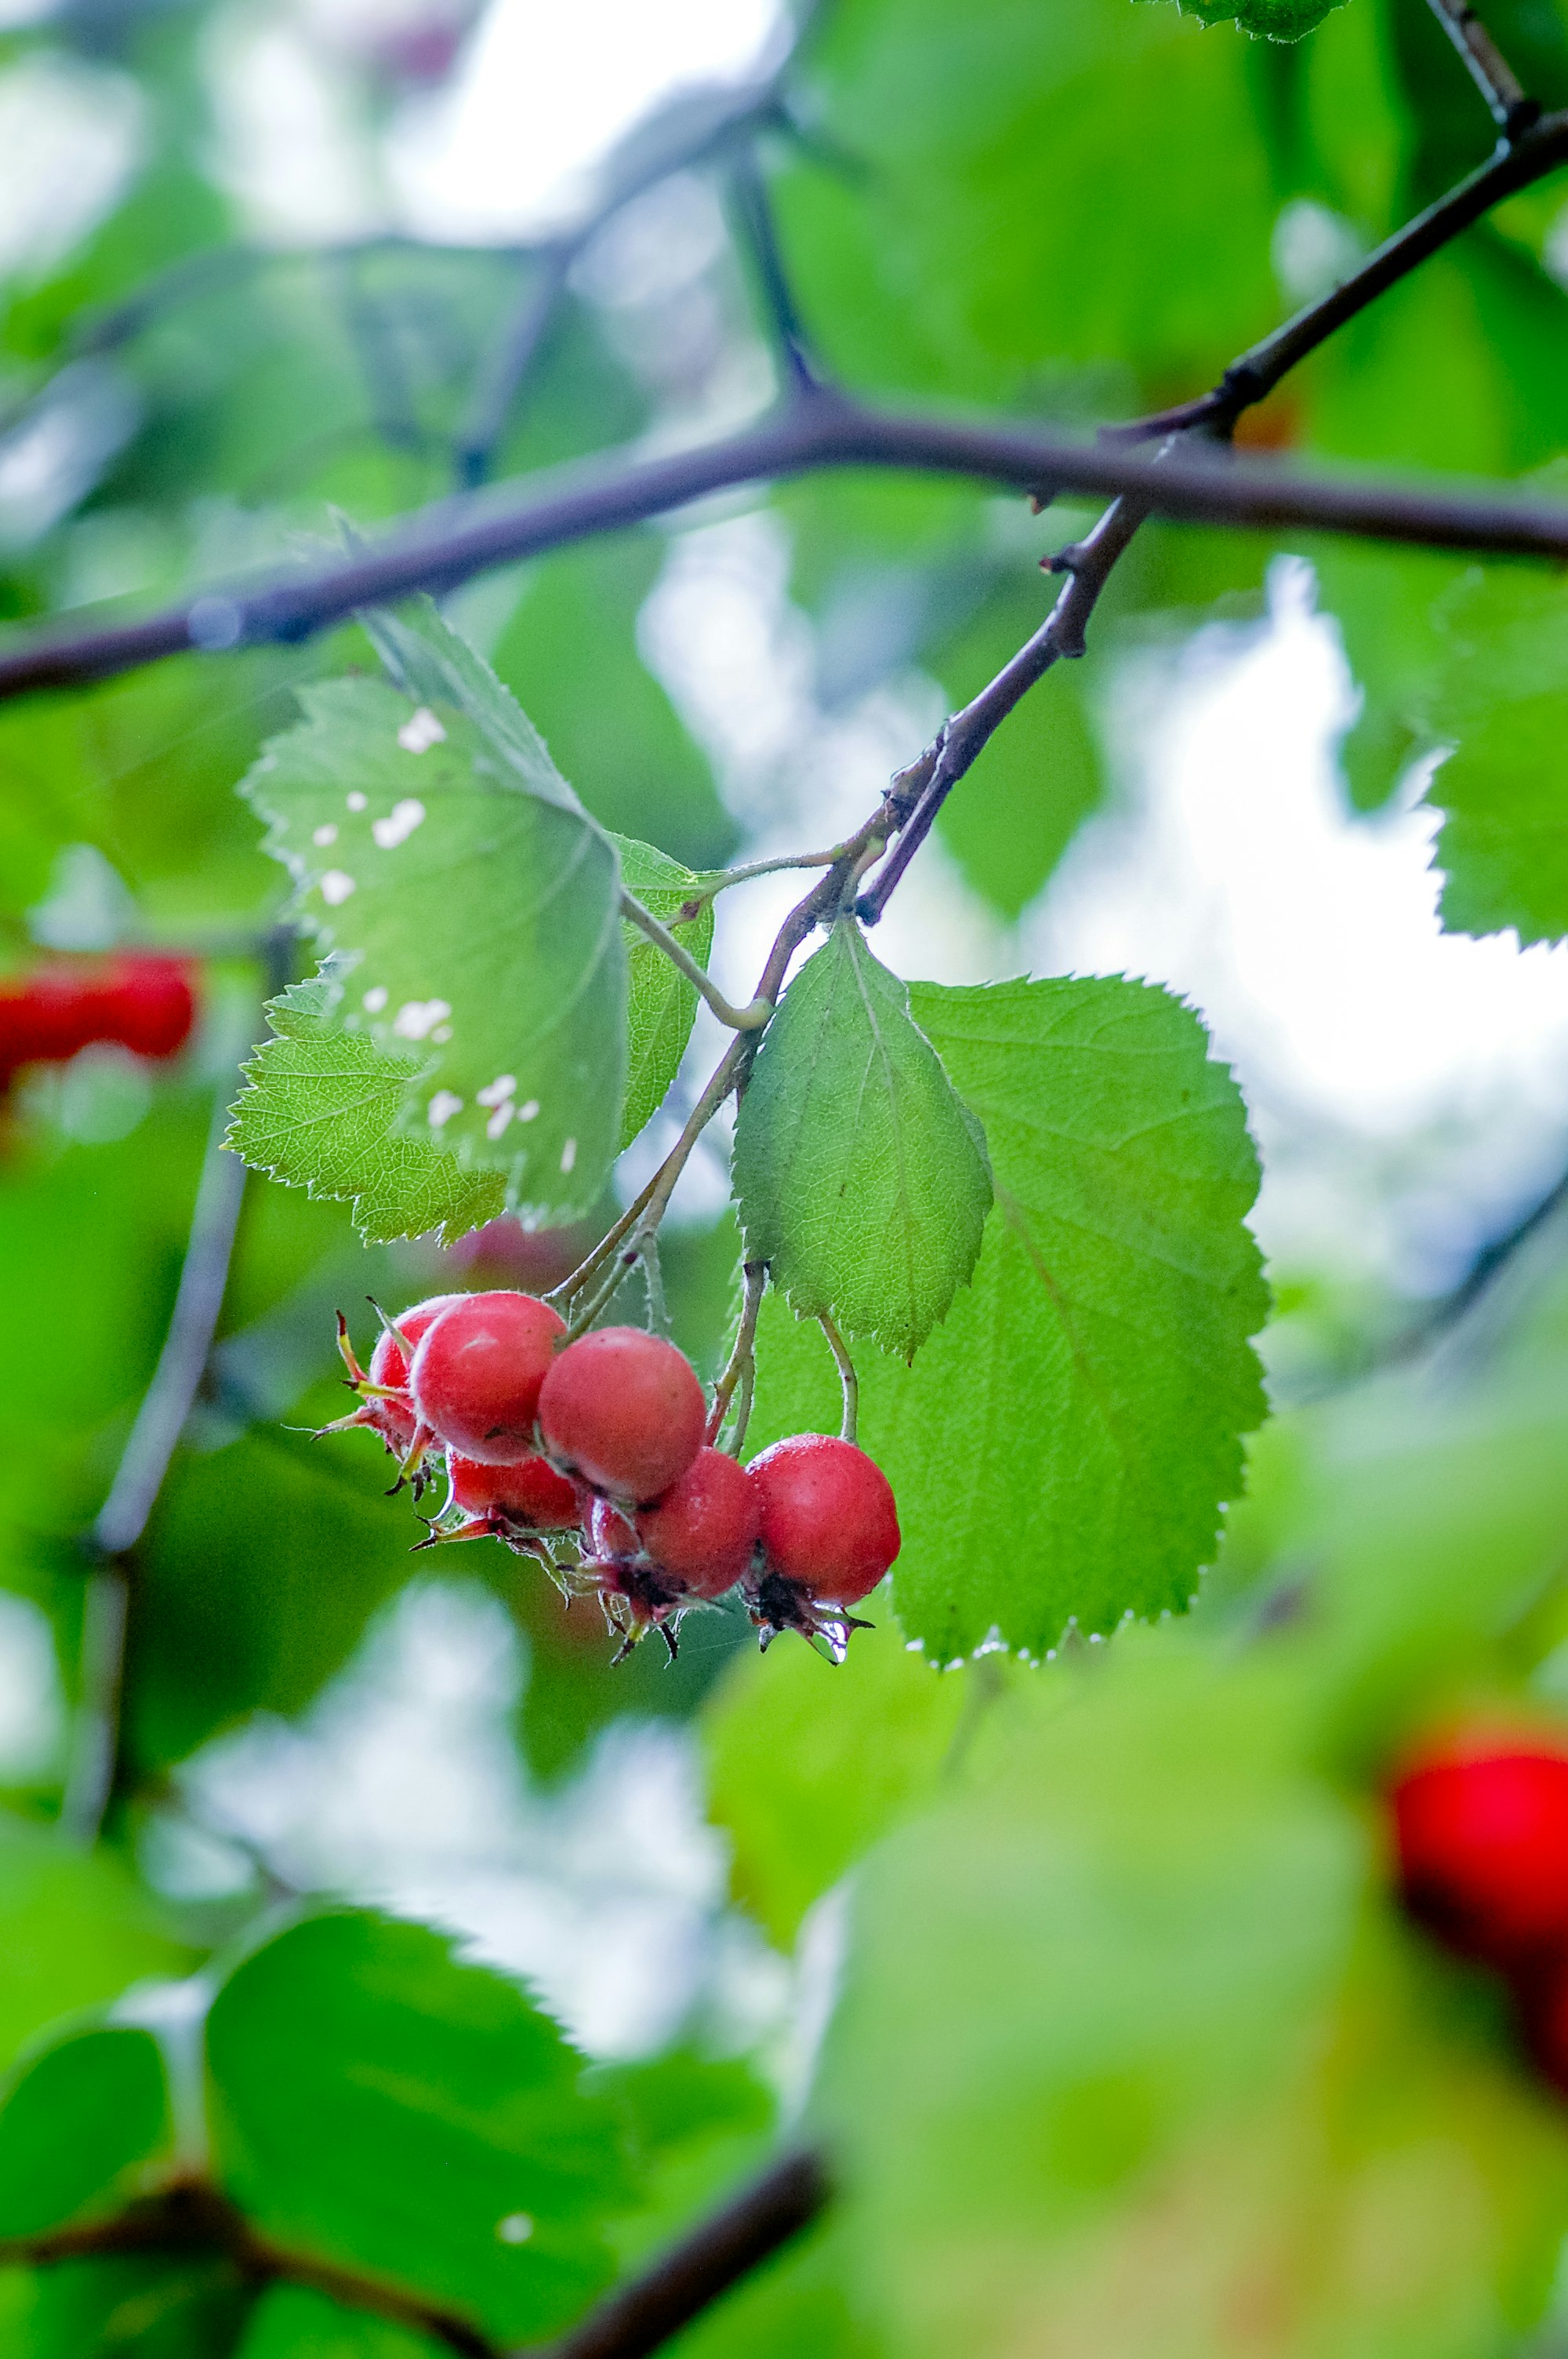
column 634, row 2319
column 439, row 548
column 1487, row 68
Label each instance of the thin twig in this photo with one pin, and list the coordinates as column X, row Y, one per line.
column 1539, row 149
column 753, row 1278
column 631, row 2322
column 955, row 749
column 849, row 1422
column 760, row 232
column 738, row 1020
column 1490, row 72
column 144, row 1465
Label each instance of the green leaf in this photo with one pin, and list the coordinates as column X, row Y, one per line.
column 1504, row 844
column 82, row 2130
column 809, row 1763
column 77, row 1932
column 319, row 1111
column 1063, row 1446
column 378, row 2104
column 131, row 2306
column 472, row 907
column 662, row 1005
column 294, row 2321
column 1269, row 20
column 862, row 1178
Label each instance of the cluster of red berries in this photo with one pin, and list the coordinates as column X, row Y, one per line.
column 597, row 1457
column 1481, row 1825
column 141, row 1000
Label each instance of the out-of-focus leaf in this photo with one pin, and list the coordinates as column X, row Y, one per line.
column 294, row 2321
column 1384, row 602
column 1503, row 702
column 861, row 1176
column 1077, row 1420
column 82, row 2129
column 77, row 1932
column 1190, row 2089
column 696, row 2126
column 808, row 1763
column 133, row 2306
column 568, row 651
column 319, row 1111
column 1032, row 185
column 473, row 906
column 660, row 1004
column 377, row 2103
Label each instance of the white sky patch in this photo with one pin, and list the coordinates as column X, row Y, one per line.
column 375, row 999
column 543, row 94
column 323, row 836
column 420, row 732
column 418, row 1018
column 442, row 1107
column 336, row 886
column 399, row 824
column 71, row 135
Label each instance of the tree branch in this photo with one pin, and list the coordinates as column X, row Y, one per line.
column 143, row 1464
column 1487, row 68
column 439, row 548
column 738, row 1020
column 632, row 2321
column 1538, row 150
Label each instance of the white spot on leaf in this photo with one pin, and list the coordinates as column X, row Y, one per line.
column 421, row 732
column 325, row 835
column 376, row 1000
column 358, row 802
column 443, row 1106
column 504, row 1086
column 515, row 2229
column 416, row 1018
column 568, row 1154
column 499, row 1120
column 443, row 1033
column 336, row 886
column 529, row 1112
column 399, row 824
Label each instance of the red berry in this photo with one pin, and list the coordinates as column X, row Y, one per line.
column 527, row 1496
column 829, row 1520
column 149, row 1004
column 624, row 1409
column 1482, row 1829
column 610, row 1535
column 389, row 1365
column 46, row 1016
column 477, row 1374
column 703, row 1531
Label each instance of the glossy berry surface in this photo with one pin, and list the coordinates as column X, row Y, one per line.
column 826, row 1516
column 703, row 1532
column 610, row 1535
column 624, row 1410
column 1481, row 1827
column 389, row 1365
column 477, row 1374
column 527, row 1496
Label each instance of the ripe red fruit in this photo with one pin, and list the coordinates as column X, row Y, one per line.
column 624, row 1409
column 829, row 1521
column 702, row 1532
column 393, row 1419
column 476, row 1376
column 149, row 1006
column 528, row 1497
column 1481, row 1823
column 610, row 1535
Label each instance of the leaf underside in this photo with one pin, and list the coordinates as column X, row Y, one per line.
column 661, row 1005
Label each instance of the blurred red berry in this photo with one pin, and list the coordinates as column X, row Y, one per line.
column 1481, row 1825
